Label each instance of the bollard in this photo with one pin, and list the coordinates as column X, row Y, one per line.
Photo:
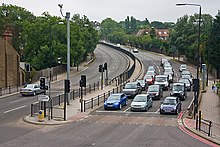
column 210, row 125
column 9, row 89
column 94, row 86
column 92, row 103
column 98, row 85
column 73, row 95
column 0, row 91
column 89, row 88
column 59, row 100
column 109, row 92
column 98, row 100
column 32, row 110
column 84, row 105
column 200, row 117
column 113, row 91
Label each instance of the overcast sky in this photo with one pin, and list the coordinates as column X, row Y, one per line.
column 153, row 10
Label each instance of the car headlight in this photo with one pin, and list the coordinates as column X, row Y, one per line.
column 117, row 103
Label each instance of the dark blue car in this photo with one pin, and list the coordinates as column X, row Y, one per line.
column 116, row 101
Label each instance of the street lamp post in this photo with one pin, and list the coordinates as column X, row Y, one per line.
column 196, row 92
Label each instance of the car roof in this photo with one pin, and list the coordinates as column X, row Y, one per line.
column 161, row 76
column 142, row 95
column 179, row 83
column 117, row 93
column 154, row 86
column 170, row 97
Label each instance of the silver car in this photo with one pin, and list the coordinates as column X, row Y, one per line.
column 31, row 89
column 141, row 102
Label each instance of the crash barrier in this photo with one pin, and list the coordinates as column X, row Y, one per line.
column 203, row 125
column 9, row 90
column 100, row 99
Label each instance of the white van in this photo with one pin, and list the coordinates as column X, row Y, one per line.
column 163, row 81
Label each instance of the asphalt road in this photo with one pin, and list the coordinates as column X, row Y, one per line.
column 14, row 107
column 115, row 128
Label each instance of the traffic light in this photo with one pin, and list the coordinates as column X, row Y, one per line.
column 196, row 85
column 42, row 83
column 27, row 67
column 105, row 66
column 100, row 68
column 83, row 81
column 67, row 86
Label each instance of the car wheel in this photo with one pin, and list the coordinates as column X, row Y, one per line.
column 34, row 93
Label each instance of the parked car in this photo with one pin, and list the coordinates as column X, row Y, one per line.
column 179, row 90
column 171, row 105
column 187, row 82
column 144, row 84
column 149, row 79
column 116, row 101
column 132, row 89
column 141, row 102
column 162, row 80
column 31, row 89
column 155, row 91
column 182, row 67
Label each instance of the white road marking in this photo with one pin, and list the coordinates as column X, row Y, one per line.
column 15, row 109
column 127, row 109
column 18, row 100
column 157, row 110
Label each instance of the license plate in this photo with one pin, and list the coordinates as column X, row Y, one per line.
column 167, row 110
column 110, row 105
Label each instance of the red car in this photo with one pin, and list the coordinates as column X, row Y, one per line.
column 149, row 79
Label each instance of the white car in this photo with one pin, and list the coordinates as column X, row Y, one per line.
column 31, row 89
column 162, row 80
column 141, row 102
column 182, row 67
column 135, row 50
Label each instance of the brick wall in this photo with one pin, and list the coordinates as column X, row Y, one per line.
column 9, row 65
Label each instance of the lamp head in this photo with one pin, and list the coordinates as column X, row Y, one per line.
column 60, row 5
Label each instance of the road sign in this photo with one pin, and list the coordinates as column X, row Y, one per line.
column 43, row 98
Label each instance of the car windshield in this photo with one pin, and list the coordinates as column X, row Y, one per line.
column 169, row 102
column 185, row 76
column 183, row 66
column 184, row 81
column 185, row 72
column 148, row 77
column 178, row 88
column 153, row 89
column 141, row 81
column 150, row 73
column 130, row 86
column 139, row 98
column 29, row 86
column 161, row 79
column 114, row 97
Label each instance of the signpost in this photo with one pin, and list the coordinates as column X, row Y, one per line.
column 43, row 98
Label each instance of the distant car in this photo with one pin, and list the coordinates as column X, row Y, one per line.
column 185, row 72
column 182, row 67
column 179, row 90
column 152, row 73
column 151, row 68
column 155, row 91
column 169, row 70
column 149, row 79
column 141, row 102
column 144, row 85
column 31, row 89
column 171, row 105
column 116, row 101
column 162, row 80
column 187, row 82
column 187, row 77
column 132, row 89
column 135, row 50
column 163, row 61
column 170, row 77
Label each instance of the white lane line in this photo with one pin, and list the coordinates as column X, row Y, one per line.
column 157, row 110
column 18, row 100
column 127, row 109
column 15, row 109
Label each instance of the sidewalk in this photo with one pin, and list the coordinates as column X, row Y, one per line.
column 210, row 108
column 74, row 109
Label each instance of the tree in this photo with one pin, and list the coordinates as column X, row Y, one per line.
column 213, row 45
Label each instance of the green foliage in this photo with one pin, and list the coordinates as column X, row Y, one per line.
column 43, row 39
column 214, row 43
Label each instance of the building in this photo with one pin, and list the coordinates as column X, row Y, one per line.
column 162, row 34
column 9, row 62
